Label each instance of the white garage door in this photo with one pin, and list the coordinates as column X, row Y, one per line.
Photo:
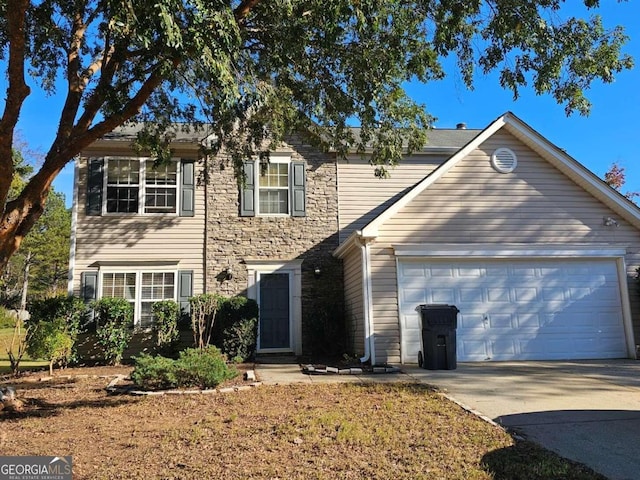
column 518, row 310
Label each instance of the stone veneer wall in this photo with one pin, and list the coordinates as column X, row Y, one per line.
column 230, row 239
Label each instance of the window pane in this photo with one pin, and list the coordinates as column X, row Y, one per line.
column 119, row 285
column 283, row 174
column 161, row 175
column 146, row 315
column 155, row 286
column 274, row 189
column 122, row 199
column 274, row 201
column 123, row 171
column 160, row 200
column 275, row 175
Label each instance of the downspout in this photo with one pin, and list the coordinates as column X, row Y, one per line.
column 369, row 334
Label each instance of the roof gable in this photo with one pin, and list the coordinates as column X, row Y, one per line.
column 549, row 152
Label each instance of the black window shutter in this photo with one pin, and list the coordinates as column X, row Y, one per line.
column 248, row 191
column 185, row 290
column 95, row 168
column 187, row 188
column 298, row 208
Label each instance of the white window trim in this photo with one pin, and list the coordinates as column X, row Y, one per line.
column 294, row 268
column 141, row 187
column 137, row 306
column 273, row 158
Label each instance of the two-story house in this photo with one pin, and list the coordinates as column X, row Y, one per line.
column 148, row 234
column 538, row 254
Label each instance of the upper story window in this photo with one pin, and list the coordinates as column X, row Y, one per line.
column 275, row 188
column 130, row 180
column 161, row 189
column 121, row 185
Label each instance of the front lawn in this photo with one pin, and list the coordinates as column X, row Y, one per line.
column 297, row 431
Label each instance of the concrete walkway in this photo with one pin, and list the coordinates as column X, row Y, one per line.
column 588, row 411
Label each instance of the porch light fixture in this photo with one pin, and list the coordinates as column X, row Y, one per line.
column 317, row 271
column 228, row 273
column 609, row 222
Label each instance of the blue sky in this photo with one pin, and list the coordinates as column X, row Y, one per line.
column 608, row 135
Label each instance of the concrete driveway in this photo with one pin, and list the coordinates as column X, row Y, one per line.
column 588, row 411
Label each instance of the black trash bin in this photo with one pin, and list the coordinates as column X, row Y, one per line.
column 438, row 325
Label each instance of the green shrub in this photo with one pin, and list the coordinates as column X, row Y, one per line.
column 114, row 317
column 236, row 328
column 51, row 341
column 154, row 372
column 71, row 310
column 205, row 368
column 165, row 315
column 239, row 340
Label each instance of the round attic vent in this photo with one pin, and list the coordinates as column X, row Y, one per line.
column 504, row 160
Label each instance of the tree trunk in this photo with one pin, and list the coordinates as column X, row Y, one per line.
column 25, row 282
column 18, row 218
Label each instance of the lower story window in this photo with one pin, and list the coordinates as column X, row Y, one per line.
column 119, row 285
column 156, row 286
column 142, row 290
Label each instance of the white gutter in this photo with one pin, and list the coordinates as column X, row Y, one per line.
column 369, row 333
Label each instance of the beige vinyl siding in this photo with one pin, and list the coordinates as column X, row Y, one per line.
column 362, row 196
column 472, row 203
column 385, row 304
column 138, row 238
column 352, row 268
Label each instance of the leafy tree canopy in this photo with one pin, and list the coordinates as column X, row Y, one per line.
column 256, row 70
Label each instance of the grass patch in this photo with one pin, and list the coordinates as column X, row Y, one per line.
column 335, row 431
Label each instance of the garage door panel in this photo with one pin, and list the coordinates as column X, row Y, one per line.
column 498, row 271
column 526, row 294
column 465, row 272
column 412, row 296
column 470, row 295
column 473, row 350
column 528, row 320
column 470, row 321
column 409, row 270
column 519, row 309
column 442, row 295
column 553, row 294
column 498, row 321
column 500, row 294
column 522, row 272
column 440, row 272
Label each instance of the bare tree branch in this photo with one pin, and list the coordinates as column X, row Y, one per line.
column 74, row 81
